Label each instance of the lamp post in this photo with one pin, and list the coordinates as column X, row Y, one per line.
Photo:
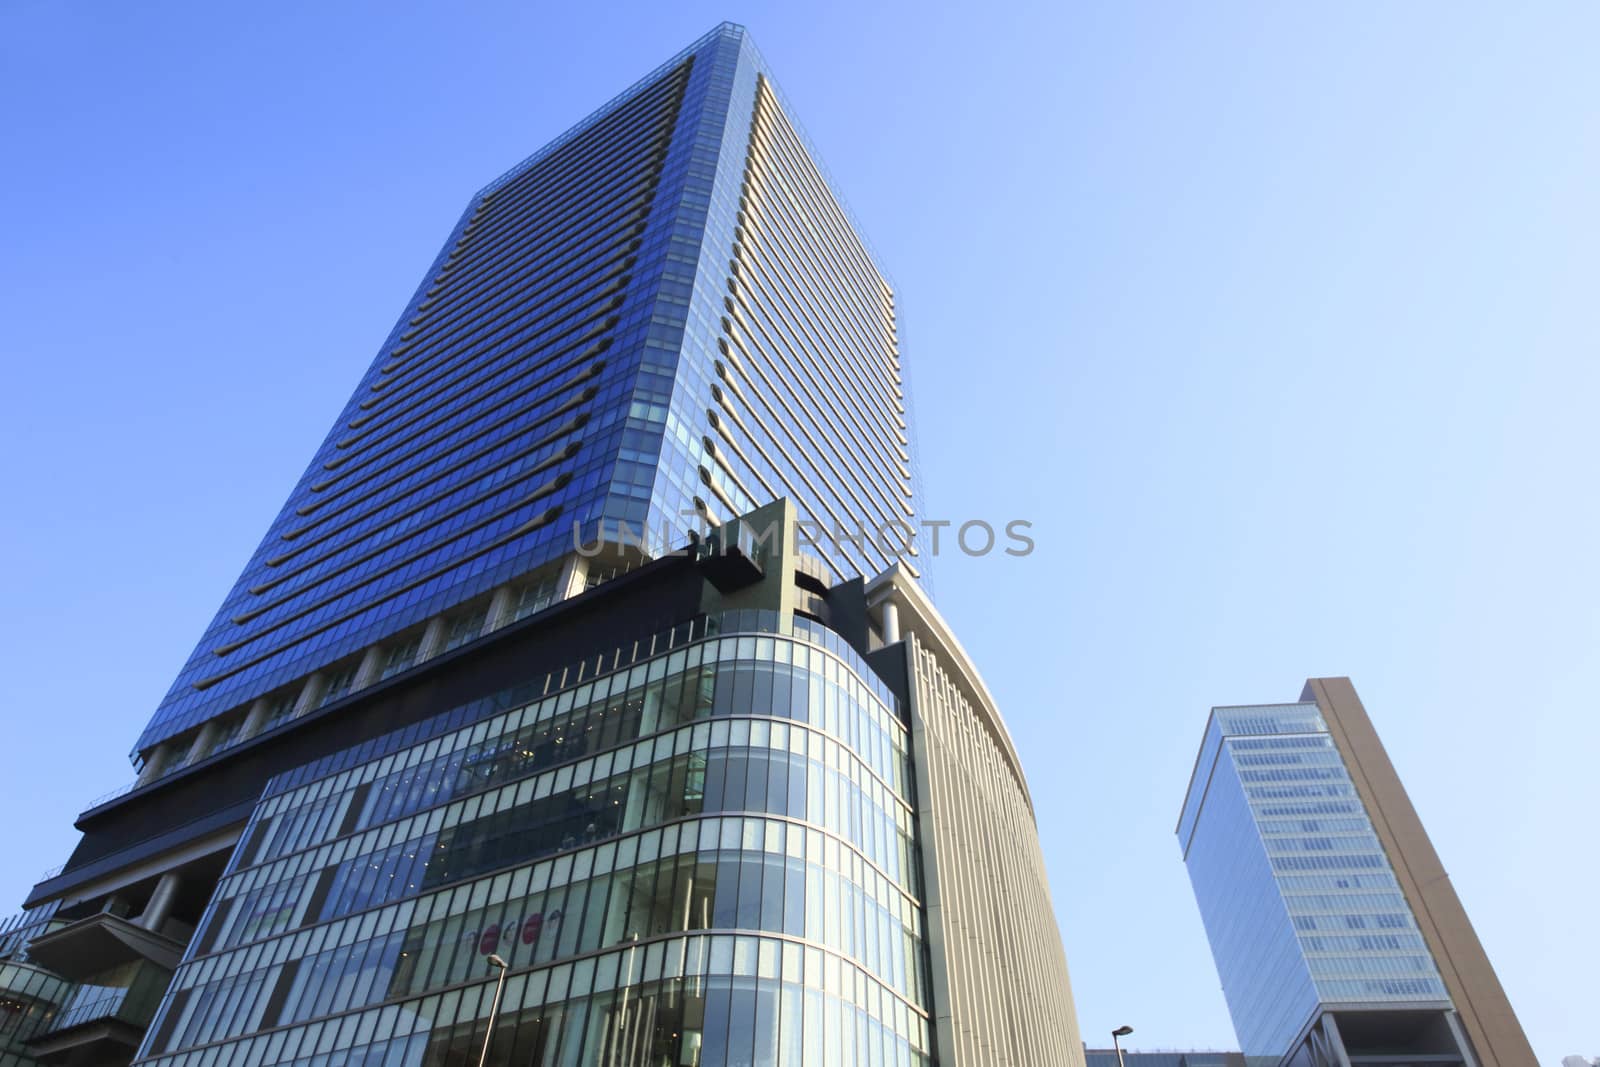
column 1116, row 1041
column 494, row 1008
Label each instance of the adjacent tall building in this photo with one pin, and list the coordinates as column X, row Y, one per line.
column 1334, row 927
column 574, row 692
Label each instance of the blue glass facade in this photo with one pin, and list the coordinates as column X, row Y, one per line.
column 661, row 320
column 1300, row 902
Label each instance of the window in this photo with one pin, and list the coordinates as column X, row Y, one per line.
column 228, row 732
column 463, row 628
column 281, row 709
column 401, row 655
column 534, row 597
column 339, row 684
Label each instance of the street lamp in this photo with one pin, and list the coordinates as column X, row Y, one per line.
column 494, row 1009
column 1116, row 1042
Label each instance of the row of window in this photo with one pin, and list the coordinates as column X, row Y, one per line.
column 789, row 202
column 1279, row 720
column 831, row 351
column 745, row 890
column 29, row 1000
column 763, row 1001
column 576, row 260
column 1259, row 793
column 792, row 199
column 524, row 474
column 771, row 677
column 1383, row 989
column 494, row 830
column 805, row 191
column 1367, row 842
column 814, row 369
column 550, row 192
column 385, row 492
column 1370, row 861
column 777, row 426
column 181, row 709
column 470, row 430
column 564, row 737
column 1305, row 882
column 320, row 777
column 1308, row 903
column 509, row 235
column 266, row 914
column 1348, row 920
column 1356, row 823
column 1347, row 966
column 449, row 541
column 128, row 992
column 1363, row 943
column 528, row 597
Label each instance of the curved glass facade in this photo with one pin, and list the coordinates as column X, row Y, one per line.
column 705, row 857
column 30, row 1000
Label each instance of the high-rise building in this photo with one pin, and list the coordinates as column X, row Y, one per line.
column 576, row 690
column 661, row 320
column 1335, row 930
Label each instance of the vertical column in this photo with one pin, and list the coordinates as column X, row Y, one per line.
column 256, row 718
column 499, row 609
column 310, row 694
column 367, row 673
column 432, row 639
column 153, row 763
column 203, row 742
column 161, row 900
column 574, row 576
column 891, row 622
column 1330, row 1030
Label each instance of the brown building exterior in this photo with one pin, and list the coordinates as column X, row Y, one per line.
column 1335, row 929
column 1475, row 989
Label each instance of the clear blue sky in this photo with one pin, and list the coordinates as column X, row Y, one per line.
column 1279, row 323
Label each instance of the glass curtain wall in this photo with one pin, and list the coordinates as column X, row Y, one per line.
column 704, row 857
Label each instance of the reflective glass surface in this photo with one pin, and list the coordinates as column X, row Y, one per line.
column 1299, row 900
column 706, row 856
column 663, row 318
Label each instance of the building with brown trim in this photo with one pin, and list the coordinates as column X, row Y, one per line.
column 1334, row 927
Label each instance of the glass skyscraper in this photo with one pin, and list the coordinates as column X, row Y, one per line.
column 1334, row 930
column 575, row 707
column 657, row 322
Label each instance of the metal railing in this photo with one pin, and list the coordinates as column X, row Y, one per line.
column 134, row 1004
column 105, row 798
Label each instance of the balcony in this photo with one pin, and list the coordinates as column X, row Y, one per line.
column 731, row 556
column 95, row 944
column 103, row 1021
